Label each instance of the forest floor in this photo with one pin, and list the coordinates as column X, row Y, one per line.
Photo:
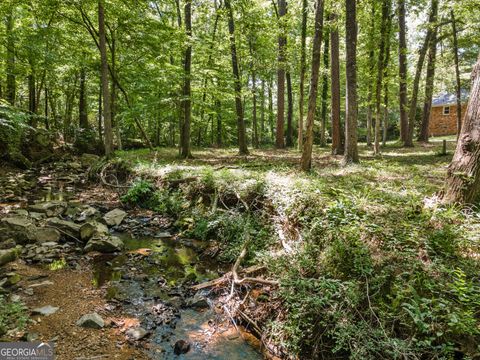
column 360, row 262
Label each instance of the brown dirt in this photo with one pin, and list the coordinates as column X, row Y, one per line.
column 75, row 295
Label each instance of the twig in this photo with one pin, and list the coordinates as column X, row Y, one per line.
column 65, row 233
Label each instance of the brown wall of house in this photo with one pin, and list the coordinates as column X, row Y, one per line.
column 444, row 124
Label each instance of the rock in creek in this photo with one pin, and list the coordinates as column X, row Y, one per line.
column 136, row 334
column 91, row 321
column 91, row 229
column 67, row 227
column 50, row 209
column 181, row 347
column 104, row 244
column 114, row 217
column 18, row 227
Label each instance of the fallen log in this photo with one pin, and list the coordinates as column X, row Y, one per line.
column 226, row 277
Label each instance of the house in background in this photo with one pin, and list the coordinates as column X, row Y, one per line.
column 443, row 115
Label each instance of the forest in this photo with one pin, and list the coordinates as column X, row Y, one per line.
column 240, row 179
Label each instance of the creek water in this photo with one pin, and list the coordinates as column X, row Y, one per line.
column 151, row 281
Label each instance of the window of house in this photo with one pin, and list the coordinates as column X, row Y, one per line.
column 446, row 110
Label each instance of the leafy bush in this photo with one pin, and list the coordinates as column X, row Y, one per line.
column 12, row 315
column 142, row 194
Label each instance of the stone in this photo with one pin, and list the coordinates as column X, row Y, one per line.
column 67, row 227
column 181, row 347
column 7, row 244
column 198, row 302
column 12, row 279
column 114, row 217
column 43, row 283
column 37, row 216
column 87, row 212
column 45, row 310
column 47, row 234
column 50, row 209
column 9, row 255
column 91, row 321
column 104, row 244
column 136, row 334
column 92, row 228
column 20, row 228
column 21, row 212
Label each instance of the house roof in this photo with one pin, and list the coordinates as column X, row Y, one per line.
column 445, row 98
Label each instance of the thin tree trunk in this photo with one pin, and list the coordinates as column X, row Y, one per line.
column 323, row 115
column 371, row 62
column 402, row 70
column 351, row 146
column 219, row 123
column 107, row 120
column 380, row 71
column 270, row 110
column 282, row 42
column 458, row 86
column 416, row 82
column 337, row 147
column 303, row 69
column 32, row 107
column 289, row 137
column 262, row 112
column 386, row 80
column 100, row 112
column 430, row 78
column 463, row 176
column 82, row 101
column 10, row 64
column 306, row 161
column 187, row 102
column 242, row 143
column 254, row 111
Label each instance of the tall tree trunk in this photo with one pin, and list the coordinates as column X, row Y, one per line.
column 45, row 104
column 458, row 86
column 289, row 137
column 32, row 106
column 262, row 112
column 219, row 123
column 254, row 111
column 242, row 141
column 303, row 69
column 337, row 147
column 270, row 110
column 386, row 80
column 306, row 161
column 107, row 120
column 427, row 105
column 412, row 112
column 463, row 176
column 351, row 146
column 380, row 70
column 371, row 62
column 82, row 101
column 402, row 70
column 100, row 111
column 10, row 66
column 282, row 44
column 187, row 102
column 323, row 115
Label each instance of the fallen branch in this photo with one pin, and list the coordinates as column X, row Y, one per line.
column 226, row 277
column 65, row 233
column 177, row 182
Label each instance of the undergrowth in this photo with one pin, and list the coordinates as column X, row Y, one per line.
column 378, row 271
column 13, row 315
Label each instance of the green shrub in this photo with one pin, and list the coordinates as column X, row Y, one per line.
column 12, row 315
column 142, row 194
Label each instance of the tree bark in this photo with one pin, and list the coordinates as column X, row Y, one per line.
column 463, row 176
column 351, row 146
column 371, row 62
column 430, row 78
column 337, row 147
column 107, row 120
column 282, row 42
column 458, row 86
column 82, row 101
column 303, row 69
column 306, row 161
column 262, row 112
column 270, row 110
column 402, row 70
column 385, row 80
column 10, row 64
column 412, row 112
column 242, row 143
column 187, row 102
column 289, row 137
column 380, row 72
column 323, row 114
